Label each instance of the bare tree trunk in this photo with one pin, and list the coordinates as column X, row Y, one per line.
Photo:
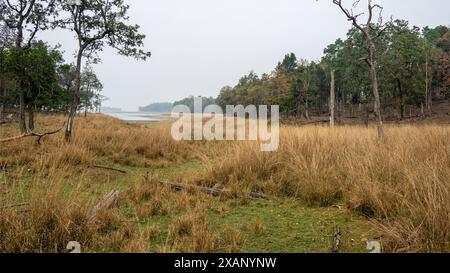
column 22, row 121
column 332, row 99
column 366, row 115
column 426, row 83
column 307, row 108
column 402, row 101
column 430, row 100
column 31, row 118
column 306, row 87
column 76, row 98
column 2, row 99
column 22, row 117
column 376, row 94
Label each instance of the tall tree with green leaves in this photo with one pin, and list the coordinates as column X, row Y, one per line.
column 90, row 90
column 403, row 65
column 41, row 79
column 97, row 24
column 25, row 18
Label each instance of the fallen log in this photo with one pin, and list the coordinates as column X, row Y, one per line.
column 336, row 240
column 31, row 134
column 212, row 191
column 314, row 122
column 107, row 202
column 108, row 168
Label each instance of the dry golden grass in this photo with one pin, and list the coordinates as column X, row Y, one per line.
column 98, row 139
column 401, row 183
column 56, row 189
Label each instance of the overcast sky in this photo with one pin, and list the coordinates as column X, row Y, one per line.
column 199, row 46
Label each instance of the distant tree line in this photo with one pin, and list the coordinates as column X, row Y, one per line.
column 189, row 102
column 413, row 67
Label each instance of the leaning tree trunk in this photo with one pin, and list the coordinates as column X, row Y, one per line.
column 76, row 99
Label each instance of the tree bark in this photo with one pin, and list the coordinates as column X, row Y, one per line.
column 366, row 115
column 426, row 83
column 22, row 117
column 107, row 202
column 31, row 118
column 376, row 93
column 332, row 99
column 76, row 98
column 2, row 99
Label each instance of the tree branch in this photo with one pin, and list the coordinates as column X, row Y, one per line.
column 31, row 134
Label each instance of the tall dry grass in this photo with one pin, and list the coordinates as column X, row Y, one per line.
column 401, row 182
column 47, row 191
column 96, row 139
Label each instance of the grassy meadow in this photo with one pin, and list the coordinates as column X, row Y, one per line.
column 395, row 190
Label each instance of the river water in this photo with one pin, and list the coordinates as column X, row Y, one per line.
column 137, row 116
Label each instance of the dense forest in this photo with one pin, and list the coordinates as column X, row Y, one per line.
column 414, row 67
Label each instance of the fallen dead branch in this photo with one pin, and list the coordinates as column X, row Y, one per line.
column 31, row 134
column 107, row 202
column 314, row 122
column 108, row 168
column 212, row 191
column 336, row 240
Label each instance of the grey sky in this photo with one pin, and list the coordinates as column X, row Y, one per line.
column 198, row 46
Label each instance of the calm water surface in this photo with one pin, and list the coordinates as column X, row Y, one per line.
column 137, row 116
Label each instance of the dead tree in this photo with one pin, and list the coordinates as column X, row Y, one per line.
column 332, row 99
column 371, row 33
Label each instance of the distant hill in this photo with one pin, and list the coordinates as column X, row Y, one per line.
column 111, row 110
column 160, row 107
